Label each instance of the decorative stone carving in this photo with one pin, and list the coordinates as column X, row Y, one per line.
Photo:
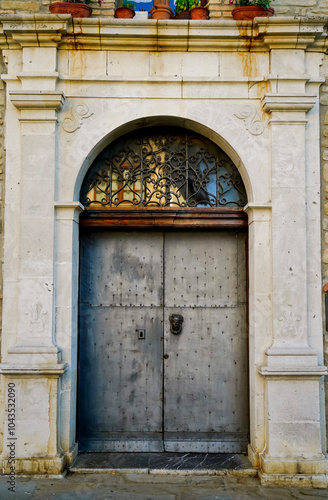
column 78, row 113
column 251, row 118
column 36, row 318
column 290, row 320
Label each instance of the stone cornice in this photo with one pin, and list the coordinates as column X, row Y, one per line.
column 32, row 30
column 287, row 32
column 27, row 100
column 99, row 34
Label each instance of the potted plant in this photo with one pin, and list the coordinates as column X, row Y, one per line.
column 182, row 9
column 76, row 8
column 197, row 10
column 126, row 10
column 161, row 10
column 247, row 10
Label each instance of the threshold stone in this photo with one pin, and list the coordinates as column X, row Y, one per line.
column 208, row 463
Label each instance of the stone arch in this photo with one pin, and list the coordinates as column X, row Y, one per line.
column 188, row 124
column 185, row 123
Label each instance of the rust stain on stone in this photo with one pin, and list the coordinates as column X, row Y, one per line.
column 249, row 63
column 251, row 38
column 250, row 55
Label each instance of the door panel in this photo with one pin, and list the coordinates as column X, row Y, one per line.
column 122, row 268
column 120, row 375
column 136, row 280
column 205, row 367
column 201, row 269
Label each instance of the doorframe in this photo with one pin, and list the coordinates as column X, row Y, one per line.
column 170, row 218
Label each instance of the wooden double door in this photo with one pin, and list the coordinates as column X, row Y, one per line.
column 143, row 386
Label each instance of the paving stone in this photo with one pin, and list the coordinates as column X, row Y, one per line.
column 217, row 494
column 309, row 493
column 133, row 496
column 120, row 486
column 24, row 489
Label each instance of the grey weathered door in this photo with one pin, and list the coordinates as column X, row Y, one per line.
column 142, row 388
column 205, row 367
column 120, row 375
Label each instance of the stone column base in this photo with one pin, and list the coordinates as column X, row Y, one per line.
column 294, row 466
column 300, row 480
column 294, row 472
column 253, row 456
column 36, row 465
column 71, row 455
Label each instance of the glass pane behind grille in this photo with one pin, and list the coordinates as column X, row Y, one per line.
column 163, row 167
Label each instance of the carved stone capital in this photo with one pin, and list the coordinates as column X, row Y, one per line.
column 40, row 100
column 288, row 102
column 258, row 213
column 69, row 210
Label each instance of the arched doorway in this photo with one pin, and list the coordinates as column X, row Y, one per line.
column 163, row 362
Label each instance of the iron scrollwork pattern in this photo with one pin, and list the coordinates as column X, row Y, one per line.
column 163, row 167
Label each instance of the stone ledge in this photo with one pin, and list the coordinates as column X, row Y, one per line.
column 303, row 372
column 54, row 370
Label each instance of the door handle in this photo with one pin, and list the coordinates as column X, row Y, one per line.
column 176, row 321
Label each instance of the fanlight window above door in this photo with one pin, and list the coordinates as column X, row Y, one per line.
column 163, row 167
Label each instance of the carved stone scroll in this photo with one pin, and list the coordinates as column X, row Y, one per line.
column 251, row 118
column 78, row 113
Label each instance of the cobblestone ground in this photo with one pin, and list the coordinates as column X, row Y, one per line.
column 118, row 486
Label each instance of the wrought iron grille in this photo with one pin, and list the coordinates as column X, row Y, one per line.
column 163, row 167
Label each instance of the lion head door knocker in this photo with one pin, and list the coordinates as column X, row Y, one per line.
column 176, row 321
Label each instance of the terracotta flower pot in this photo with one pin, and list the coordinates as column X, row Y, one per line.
column 184, row 14
column 75, row 9
column 199, row 13
column 248, row 12
column 161, row 11
column 162, row 2
column 124, row 13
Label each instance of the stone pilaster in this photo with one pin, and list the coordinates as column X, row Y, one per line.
column 31, row 361
column 291, row 371
column 260, row 311
column 66, row 308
